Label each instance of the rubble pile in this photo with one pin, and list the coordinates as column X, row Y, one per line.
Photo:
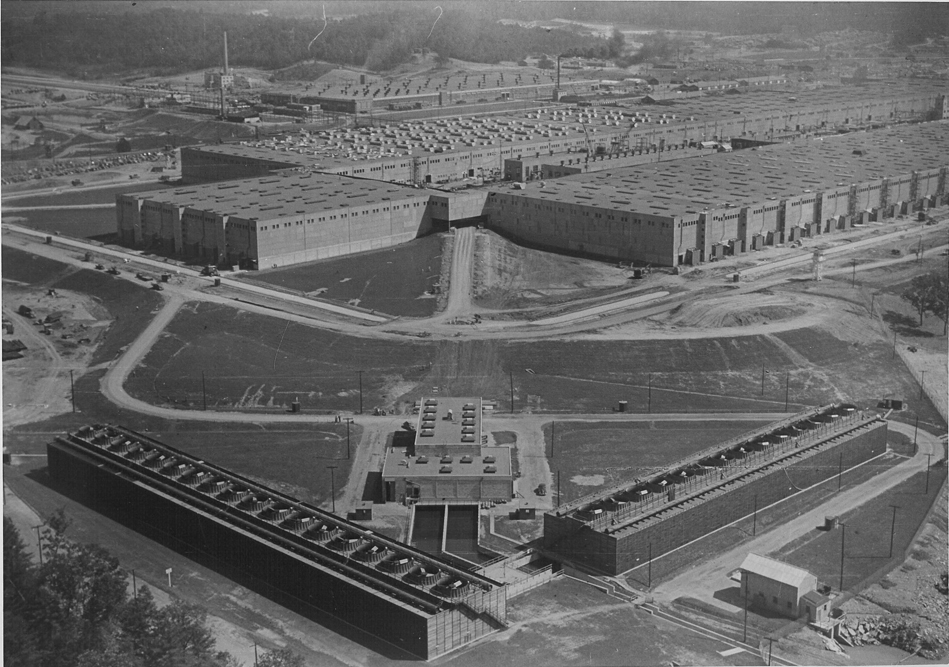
column 898, row 630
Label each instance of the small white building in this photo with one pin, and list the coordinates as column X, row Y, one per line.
column 775, row 586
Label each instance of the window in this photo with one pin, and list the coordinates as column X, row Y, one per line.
column 774, row 599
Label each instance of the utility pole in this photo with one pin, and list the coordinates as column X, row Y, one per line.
column 872, row 297
column 744, row 636
column 360, row 392
column 39, row 542
column 787, row 390
column 349, row 421
column 332, row 470
column 770, row 646
column 853, row 279
column 843, row 542
column 553, row 435
column 649, row 585
column 754, row 521
column 922, row 379
column 892, row 529
column 840, row 471
column 204, row 392
column 558, row 488
column 512, row 391
column 762, row 380
column 134, row 585
column 72, row 390
column 915, row 433
column 893, row 356
column 929, row 458
column 649, row 395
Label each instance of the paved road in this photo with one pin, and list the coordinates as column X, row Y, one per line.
column 271, row 294
column 702, row 580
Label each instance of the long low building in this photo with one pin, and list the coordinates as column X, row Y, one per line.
column 451, row 149
column 309, row 559
column 686, row 212
column 275, row 221
column 622, row 527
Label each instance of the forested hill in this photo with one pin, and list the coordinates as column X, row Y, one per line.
column 172, row 40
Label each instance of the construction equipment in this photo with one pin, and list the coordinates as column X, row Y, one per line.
column 210, row 271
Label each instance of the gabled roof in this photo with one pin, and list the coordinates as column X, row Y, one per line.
column 774, row 569
column 815, row 598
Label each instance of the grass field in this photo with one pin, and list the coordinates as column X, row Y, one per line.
column 867, row 540
column 28, row 268
column 258, row 361
column 390, row 280
column 567, row 622
column 68, row 197
column 591, row 455
column 76, row 222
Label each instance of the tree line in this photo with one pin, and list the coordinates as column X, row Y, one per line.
column 167, row 40
column 73, row 610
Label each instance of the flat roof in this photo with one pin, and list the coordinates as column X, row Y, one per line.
column 750, row 176
column 281, row 195
column 448, row 421
column 491, row 462
column 184, row 477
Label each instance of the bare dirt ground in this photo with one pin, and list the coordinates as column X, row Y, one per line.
column 511, row 276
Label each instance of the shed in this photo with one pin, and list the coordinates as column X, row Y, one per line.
column 775, row 586
column 816, row 607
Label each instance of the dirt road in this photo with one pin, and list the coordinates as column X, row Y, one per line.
column 459, row 295
column 704, row 579
column 46, row 390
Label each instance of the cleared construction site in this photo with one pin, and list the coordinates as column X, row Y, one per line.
column 627, row 525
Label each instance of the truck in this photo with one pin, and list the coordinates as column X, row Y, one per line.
column 210, row 270
column 25, row 311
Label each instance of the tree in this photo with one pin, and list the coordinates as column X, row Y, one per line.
column 616, row 44
column 929, row 293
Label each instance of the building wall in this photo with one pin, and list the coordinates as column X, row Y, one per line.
column 584, row 229
column 455, row 488
column 238, row 554
column 624, row 550
column 775, row 596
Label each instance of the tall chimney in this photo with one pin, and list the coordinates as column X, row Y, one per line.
column 226, row 69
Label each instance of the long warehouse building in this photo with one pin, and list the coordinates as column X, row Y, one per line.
column 620, row 528
column 687, row 212
column 309, row 559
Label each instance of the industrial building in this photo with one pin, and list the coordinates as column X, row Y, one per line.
column 622, row 527
column 777, row 587
column 448, row 461
column 306, row 558
column 686, row 212
column 265, row 222
column 451, row 149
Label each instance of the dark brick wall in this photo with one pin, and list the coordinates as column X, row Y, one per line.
column 617, row 553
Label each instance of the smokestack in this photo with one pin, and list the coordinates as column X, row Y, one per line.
column 226, row 69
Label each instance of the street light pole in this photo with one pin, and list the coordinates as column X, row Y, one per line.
column 332, row 470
